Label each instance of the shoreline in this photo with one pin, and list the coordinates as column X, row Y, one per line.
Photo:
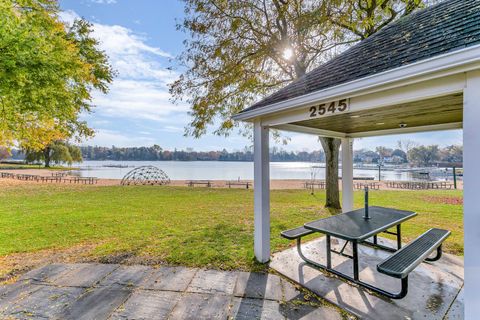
column 275, row 184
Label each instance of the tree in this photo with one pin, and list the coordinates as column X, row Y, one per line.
column 4, row 153
column 453, row 154
column 383, row 152
column 238, row 51
column 400, row 155
column 47, row 71
column 423, row 155
column 57, row 152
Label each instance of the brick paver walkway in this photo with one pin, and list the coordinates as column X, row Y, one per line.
column 108, row 291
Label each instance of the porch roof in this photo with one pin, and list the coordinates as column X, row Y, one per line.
column 443, row 30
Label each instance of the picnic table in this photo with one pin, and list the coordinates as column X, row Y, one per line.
column 357, row 227
column 246, row 184
column 206, row 183
column 370, row 185
column 84, row 180
column 309, row 184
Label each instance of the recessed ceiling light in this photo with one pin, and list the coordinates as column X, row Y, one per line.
column 354, row 116
column 380, row 123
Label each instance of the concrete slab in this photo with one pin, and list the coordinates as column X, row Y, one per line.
column 53, row 292
column 457, row 311
column 46, row 272
column 127, row 276
column 147, row 304
column 199, row 306
column 247, row 309
column 97, row 303
column 434, row 289
column 258, row 286
column 44, row 302
column 213, row 281
column 82, row 274
column 169, row 279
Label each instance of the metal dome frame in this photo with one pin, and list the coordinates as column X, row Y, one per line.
column 145, row 175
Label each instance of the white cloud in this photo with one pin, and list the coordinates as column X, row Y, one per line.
column 105, row 137
column 140, row 89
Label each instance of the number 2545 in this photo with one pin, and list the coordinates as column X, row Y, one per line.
column 332, row 107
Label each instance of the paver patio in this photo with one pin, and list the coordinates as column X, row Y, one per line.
column 435, row 289
column 109, row 291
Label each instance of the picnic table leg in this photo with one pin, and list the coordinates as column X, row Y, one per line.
column 399, row 236
column 329, row 252
column 355, row 260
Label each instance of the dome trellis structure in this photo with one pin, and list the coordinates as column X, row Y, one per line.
column 145, row 175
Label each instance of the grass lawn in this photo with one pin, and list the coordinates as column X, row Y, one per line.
column 32, row 166
column 178, row 225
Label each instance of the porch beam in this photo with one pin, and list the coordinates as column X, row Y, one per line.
column 313, row 131
column 471, row 217
column 435, row 127
column 347, row 174
column 261, row 194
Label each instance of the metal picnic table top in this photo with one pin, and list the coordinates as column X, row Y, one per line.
column 352, row 226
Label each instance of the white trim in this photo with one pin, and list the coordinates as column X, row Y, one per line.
column 471, row 187
column 461, row 61
column 307, row 130
column 405, row 94
column 434, row 127
column 336, row 134
column 347, row 174
column 261, row 192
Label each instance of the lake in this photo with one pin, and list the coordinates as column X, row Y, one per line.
column 222, row 170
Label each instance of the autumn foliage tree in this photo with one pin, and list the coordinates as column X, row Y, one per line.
column 239, row 51
column 47, row 73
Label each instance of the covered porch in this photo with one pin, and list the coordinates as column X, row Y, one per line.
column 412, row 87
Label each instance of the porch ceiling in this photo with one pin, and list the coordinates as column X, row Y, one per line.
column 435, row 111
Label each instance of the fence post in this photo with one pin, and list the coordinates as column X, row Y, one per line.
column 454, row 178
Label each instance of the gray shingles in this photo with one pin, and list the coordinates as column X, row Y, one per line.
column 449, row 26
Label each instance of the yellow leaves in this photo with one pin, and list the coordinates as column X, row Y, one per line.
column 47, row 72
column 39, row 134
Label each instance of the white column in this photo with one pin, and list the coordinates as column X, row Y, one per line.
column 261, row 193
column 347, row 174
column 471, row 186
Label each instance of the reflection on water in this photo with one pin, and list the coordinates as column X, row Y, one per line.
column 220, row 170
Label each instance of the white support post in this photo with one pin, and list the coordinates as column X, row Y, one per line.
column 347, row 174
column 261, row 193
column 471, row 189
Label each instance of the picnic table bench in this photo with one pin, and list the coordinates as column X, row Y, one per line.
column 353, row 227
column 206, row 183
column 245, row 184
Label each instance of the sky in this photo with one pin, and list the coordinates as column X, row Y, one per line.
column 142, row 41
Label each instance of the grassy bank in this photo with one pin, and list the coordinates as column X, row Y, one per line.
column 194, row 227
column 7, row 166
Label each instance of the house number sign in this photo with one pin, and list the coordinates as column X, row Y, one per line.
column 327, row 109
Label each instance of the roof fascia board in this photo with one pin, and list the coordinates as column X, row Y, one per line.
column 434, row 127
column 454, row 62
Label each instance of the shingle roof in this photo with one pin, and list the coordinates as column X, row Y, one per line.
column 448, row 26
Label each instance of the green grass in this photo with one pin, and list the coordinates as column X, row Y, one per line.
column 32, row 166
column 193, row 227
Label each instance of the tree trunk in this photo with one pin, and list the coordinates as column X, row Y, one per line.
column 331, row 148
column 46, row 157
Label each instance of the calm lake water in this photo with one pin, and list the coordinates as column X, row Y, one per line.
column 221, row 170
